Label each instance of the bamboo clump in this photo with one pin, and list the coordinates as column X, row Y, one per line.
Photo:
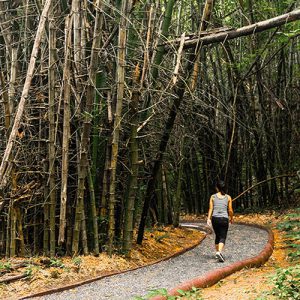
column 116, row 116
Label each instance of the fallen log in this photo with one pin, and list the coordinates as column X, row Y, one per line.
column 13, row 278
column 12, row 268
column 223, row 36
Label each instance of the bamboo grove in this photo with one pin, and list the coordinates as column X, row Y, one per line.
column 117, row 115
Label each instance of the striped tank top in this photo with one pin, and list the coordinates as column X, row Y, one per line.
column 220, row 206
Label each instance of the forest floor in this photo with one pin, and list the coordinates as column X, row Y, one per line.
column 44, row 274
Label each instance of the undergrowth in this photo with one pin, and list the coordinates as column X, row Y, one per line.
column 193, row 294
column 286, row 281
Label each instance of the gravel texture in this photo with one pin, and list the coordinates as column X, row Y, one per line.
column 242, row 242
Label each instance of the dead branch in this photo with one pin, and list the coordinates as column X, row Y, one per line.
column 261, row 182
column 13, row 278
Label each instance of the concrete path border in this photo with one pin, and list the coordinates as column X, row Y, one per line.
column 203, row 281
column 213, row 277
column 83, row 282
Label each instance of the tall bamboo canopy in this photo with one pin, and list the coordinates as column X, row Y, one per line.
column 117, row 115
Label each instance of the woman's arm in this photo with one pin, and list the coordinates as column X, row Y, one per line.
column 211, row 207
column 230, row 210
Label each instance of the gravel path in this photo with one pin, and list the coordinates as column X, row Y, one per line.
column 242, row 242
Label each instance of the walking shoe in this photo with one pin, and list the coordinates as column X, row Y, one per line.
column 220, row 257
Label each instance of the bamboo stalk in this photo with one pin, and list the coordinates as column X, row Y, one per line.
column 83, row 232
column 76, row 12
column 20, row 232
column 6, row 101
column 13, row 217
column 146, row 52
column 66, row 133
column 165, row 195
column 177, row 201
column 69, row 230
column 94, row 213
column 36, row 230
column 13, row 76
column 13, row 235
column 85, row 136
column 4, row 26
column 51, row 147
column 178, row 60
column 105, row 182
column 164, row 34
column 117, row 123
column 24, row 96
column 8, row 232
column 46, row 229
column 203, row 26
column 134, row 164
column 160, row 50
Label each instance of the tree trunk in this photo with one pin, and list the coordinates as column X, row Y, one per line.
column 133, row 178
column 6, row 102
column 85, row 136
column 94, row 213
column 117, row 124
column 52, row 154
column 177, row 201
column 66, row 133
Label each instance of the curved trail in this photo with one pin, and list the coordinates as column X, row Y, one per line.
column 242, row 242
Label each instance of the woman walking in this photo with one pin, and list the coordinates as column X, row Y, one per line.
column 219, row 215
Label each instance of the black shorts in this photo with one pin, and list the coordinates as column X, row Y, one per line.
column 220, row 226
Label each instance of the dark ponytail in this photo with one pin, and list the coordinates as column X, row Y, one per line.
column 221, row 187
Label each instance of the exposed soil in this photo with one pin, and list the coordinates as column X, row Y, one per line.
column 45, row 274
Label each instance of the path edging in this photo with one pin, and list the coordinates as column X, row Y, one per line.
column 213, row 277
column 83, row 282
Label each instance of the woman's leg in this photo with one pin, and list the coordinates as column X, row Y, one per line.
column 224, row 225
column 220, row 247
column 220, row 226
column 216, row 228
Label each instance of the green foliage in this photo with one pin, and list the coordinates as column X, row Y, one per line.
column 77, row 261
column 288, row 225
column 193, row 294
column 161, row 237
column 5, row 266
column 31, row 270
column 56, row 263
column 291, row 226
column 28, row 271
column 287, row 283
column 295, row 255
